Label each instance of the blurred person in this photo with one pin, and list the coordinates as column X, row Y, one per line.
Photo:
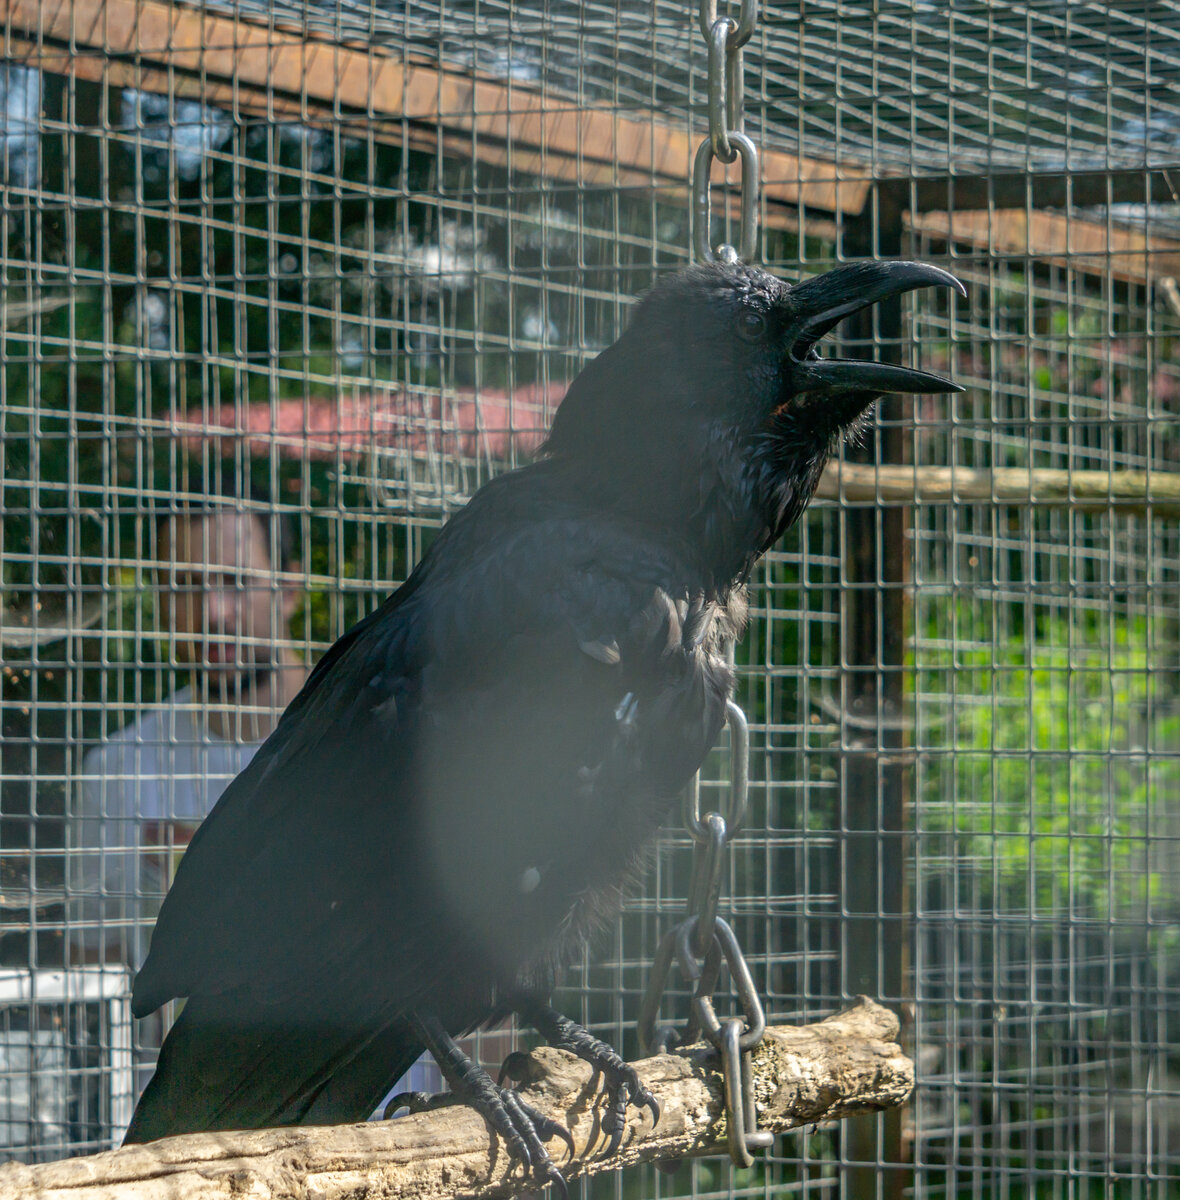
column 226, row 612
column 226, row 608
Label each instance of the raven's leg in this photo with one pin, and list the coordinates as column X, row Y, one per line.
column 622, row 1084
column 520, row 1125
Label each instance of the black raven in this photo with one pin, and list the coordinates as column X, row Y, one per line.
column 461, row 791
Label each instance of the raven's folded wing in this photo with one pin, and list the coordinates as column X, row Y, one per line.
column 451, row 789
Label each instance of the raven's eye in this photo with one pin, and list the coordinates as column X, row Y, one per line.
column 752, row 326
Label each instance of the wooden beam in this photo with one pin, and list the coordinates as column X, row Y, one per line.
column 543, row 163
column 276, row 73
column 1038, row 189
column 1156, row 492
column 276, row 106
column 248, row 66
column 848, row 1064
column 1087, row 246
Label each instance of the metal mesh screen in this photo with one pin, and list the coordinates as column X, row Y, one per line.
column 338, row 261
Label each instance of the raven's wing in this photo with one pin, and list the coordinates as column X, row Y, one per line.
column 462, row 778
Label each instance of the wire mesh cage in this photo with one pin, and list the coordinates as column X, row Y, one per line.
column 335, row 263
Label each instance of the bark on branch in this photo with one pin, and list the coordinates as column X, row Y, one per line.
column 846, row 1065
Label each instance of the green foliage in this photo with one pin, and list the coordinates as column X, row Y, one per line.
column 1053, row 767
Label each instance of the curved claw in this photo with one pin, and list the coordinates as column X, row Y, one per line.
column 415, row 1102
column 531, row 1126
column 548, row 1129
column 568, row 1139
column 556, row 1180
column 620, row 1081
column 519, row 1125
column 638, row 1095
column 616, row 1140
column 513, row 1067
column 623, row 1093
column 642, row 1098
column 614, row 1119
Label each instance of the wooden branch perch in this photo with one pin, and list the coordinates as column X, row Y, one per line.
column 844, row 1066
column 1081, row 491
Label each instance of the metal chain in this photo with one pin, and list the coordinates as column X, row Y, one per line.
column 727, row 139
column 700, row 944
column 703, row 941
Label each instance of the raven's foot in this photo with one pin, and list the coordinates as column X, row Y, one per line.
column 620, row 1080
column 523, row 1128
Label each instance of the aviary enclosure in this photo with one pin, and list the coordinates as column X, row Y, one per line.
column 351, row 253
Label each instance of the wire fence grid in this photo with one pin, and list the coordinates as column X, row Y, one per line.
column 340, row 259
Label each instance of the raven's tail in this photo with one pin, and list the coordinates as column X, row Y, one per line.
column 228, row 1063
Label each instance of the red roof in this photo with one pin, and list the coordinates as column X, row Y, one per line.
column 489, row 423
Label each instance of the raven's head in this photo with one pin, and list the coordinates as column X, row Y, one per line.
column 716, row 406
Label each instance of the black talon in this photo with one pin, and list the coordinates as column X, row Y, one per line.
column 614, row 1120
column 641, row 1097
column 555, row 1129
column 415, row 1102
column 616, row 1140
column 620, row 1081
column 514, row 1067
column 406, row 1100
column 557, row 1181
column 542, row 1127
column 520, row 1125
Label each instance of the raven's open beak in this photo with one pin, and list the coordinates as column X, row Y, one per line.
column 821, row 303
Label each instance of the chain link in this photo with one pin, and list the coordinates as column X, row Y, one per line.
column 700, row 944
column 743, row 30
column 727, row 140
column 739, row 785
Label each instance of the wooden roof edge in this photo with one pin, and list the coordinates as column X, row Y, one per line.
column 343, row 81
column 1092, row 247
column 271, row 70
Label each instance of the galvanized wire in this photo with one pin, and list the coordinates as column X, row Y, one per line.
column 964, row 721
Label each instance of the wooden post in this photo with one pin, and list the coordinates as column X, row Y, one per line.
column 873, row 783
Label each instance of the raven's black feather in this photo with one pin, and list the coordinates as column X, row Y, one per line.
column 460, row 792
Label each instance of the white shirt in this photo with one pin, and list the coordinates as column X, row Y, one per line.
column 142, row 795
